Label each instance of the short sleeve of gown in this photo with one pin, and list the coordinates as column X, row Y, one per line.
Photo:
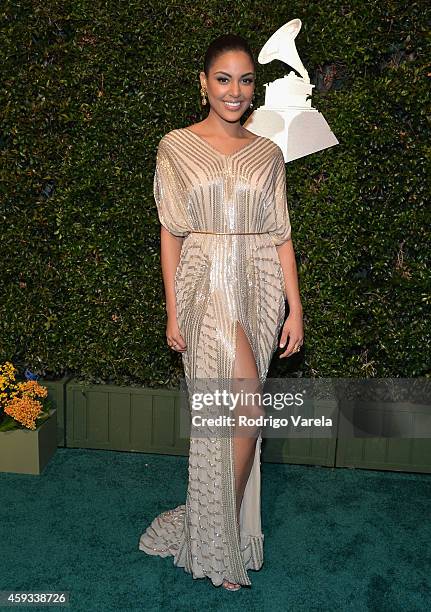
column 168, row 192
column 282, row 231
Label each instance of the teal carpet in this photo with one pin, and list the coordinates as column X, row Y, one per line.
column 335, row 540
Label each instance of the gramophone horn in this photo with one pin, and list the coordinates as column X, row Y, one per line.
column 281, row 46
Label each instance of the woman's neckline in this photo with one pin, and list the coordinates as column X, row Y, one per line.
column 210, row 146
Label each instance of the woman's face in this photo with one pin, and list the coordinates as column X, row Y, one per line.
column 231, row 79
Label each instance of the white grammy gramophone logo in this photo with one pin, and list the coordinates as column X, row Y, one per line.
column 287, row 117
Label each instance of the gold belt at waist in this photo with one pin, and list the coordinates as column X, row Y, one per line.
column 227, row 233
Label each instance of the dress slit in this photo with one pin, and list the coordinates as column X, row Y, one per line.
column 246, row 550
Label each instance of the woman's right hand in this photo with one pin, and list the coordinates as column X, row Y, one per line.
column 174, row 337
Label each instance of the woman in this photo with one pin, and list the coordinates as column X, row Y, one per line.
column 228, row 264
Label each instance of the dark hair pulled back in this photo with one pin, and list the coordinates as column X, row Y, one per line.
column 226, row 42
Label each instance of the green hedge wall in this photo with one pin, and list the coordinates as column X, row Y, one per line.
column 87, row 91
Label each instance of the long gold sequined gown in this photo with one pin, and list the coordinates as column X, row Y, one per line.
column 222, row 280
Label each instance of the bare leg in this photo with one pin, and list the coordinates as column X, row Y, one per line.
column 245, row 379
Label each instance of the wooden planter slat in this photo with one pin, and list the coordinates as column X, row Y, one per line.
column 124, row 418
column 385, row 452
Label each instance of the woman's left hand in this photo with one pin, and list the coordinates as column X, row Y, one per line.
column 293, row 329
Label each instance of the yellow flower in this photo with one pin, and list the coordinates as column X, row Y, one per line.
column 32, row 388
column 19, row 399
column 25, row 410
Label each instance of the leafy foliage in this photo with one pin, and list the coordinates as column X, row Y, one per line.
column 89, row 88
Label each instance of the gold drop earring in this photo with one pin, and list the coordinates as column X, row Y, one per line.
column 251, row 103
column 203, row 94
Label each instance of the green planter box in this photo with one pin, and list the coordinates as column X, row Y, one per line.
column 311, row 451
column 305, row 450
column 387, row 452
column 124, row 418
column 57, row 394
column 148, row 420
column 27, row 451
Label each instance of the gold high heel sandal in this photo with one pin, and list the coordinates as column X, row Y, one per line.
column 234, row 586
